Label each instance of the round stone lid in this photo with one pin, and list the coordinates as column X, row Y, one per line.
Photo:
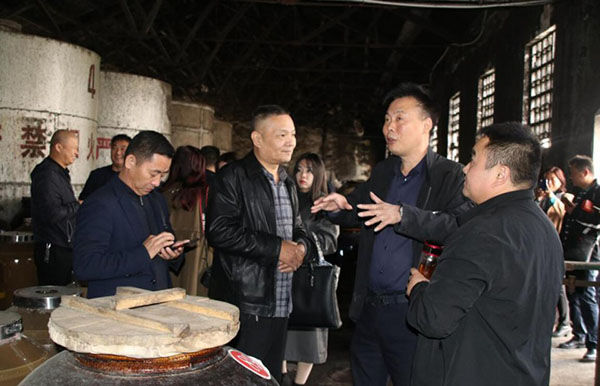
column 143, row 324
column 10, row 324
column 47, row 297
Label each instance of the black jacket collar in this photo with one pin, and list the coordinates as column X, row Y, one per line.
column 526, row 194
column 254, row 167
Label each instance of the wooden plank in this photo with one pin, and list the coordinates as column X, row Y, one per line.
column 177, row 329
column 182, row 305
column 197, row 308
column 123, row 302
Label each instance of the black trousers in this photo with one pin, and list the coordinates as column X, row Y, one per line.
column 263, row 338
column 563, row 308
column 55, row 266
column 383, row 344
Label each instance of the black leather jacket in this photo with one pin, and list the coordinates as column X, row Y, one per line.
column 242, row 229
column 53, row 204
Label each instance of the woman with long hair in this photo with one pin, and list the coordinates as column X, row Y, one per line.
column 553, row 186
column 310, row 347
column 186, row 191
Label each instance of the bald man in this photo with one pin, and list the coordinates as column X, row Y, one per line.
column 53, row 210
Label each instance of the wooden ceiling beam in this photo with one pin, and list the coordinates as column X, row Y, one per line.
column 224, row 32
column 149, row 21
column 197, row 24
column 128, row 15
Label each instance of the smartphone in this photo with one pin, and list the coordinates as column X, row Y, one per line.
column 188, row 244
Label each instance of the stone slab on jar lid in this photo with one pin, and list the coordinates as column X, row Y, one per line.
column 210, row 324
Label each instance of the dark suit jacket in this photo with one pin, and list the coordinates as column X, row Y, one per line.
column 433, row 217
column 108, row 244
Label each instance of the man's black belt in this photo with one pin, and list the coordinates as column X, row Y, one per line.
column 396, row 297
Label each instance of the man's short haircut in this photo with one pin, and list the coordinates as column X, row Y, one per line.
column 266, row 111
column 515, row 146
column 420, row 93
column 60, row 136
column 227, row 157
column 582, row 162
column 147, row 143
column 119, row 137
column 210, row 154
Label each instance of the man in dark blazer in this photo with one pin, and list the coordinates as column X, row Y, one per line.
column 410, row 197
column 123, row 235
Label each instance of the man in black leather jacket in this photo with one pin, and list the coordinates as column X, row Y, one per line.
column 54, row 209
column 254, row 226
column 412, row 196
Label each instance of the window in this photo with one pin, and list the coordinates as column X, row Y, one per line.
column 453, row 118
column 433, row 139
column 485, row 99
column 538, row 84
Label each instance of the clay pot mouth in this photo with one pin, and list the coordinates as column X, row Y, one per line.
column 118, row 364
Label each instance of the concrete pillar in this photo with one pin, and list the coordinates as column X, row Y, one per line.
column 130, row 104
column 222, row 132
column 45, row 85
column 191, row 124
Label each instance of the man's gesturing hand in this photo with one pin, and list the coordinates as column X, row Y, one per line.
column 154, row 243
column 331, row 202
column 291, row 256
column 381, row 212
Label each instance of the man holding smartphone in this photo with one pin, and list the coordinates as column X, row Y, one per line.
column 123, row 235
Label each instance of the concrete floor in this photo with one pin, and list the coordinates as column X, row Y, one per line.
column 566, row 368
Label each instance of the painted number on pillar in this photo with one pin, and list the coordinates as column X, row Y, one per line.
column 91, row 81
column 103, row 143
column 35, row 141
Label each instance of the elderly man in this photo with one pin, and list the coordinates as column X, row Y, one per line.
column 123, row 235
column 99, row 177
column 486, row 316
column 416, row 195
column 54, row 209
column 254, row 225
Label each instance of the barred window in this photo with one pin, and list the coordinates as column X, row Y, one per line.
column 538, row 84
column 485, row 98
column 453, row 126
column 433, row 139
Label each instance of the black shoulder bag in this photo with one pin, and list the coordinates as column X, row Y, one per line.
column 314, row 296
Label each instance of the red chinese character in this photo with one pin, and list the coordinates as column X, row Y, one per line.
column 103, row 143
column 91, row 147
column 35, row 141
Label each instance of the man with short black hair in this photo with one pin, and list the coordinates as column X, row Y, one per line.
column 580, row 233
column 123, row 235
column 255, row 227
column 211, row 157
column 54, row 209
column 487, row 314
column 99, row 177
column 412, row 196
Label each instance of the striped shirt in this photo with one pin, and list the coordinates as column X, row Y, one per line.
column 284, row 217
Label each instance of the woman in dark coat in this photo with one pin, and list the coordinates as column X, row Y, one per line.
column 310, row 347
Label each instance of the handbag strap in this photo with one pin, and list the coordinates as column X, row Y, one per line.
column 321, row 256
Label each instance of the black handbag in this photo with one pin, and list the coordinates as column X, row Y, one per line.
column 314, row 298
